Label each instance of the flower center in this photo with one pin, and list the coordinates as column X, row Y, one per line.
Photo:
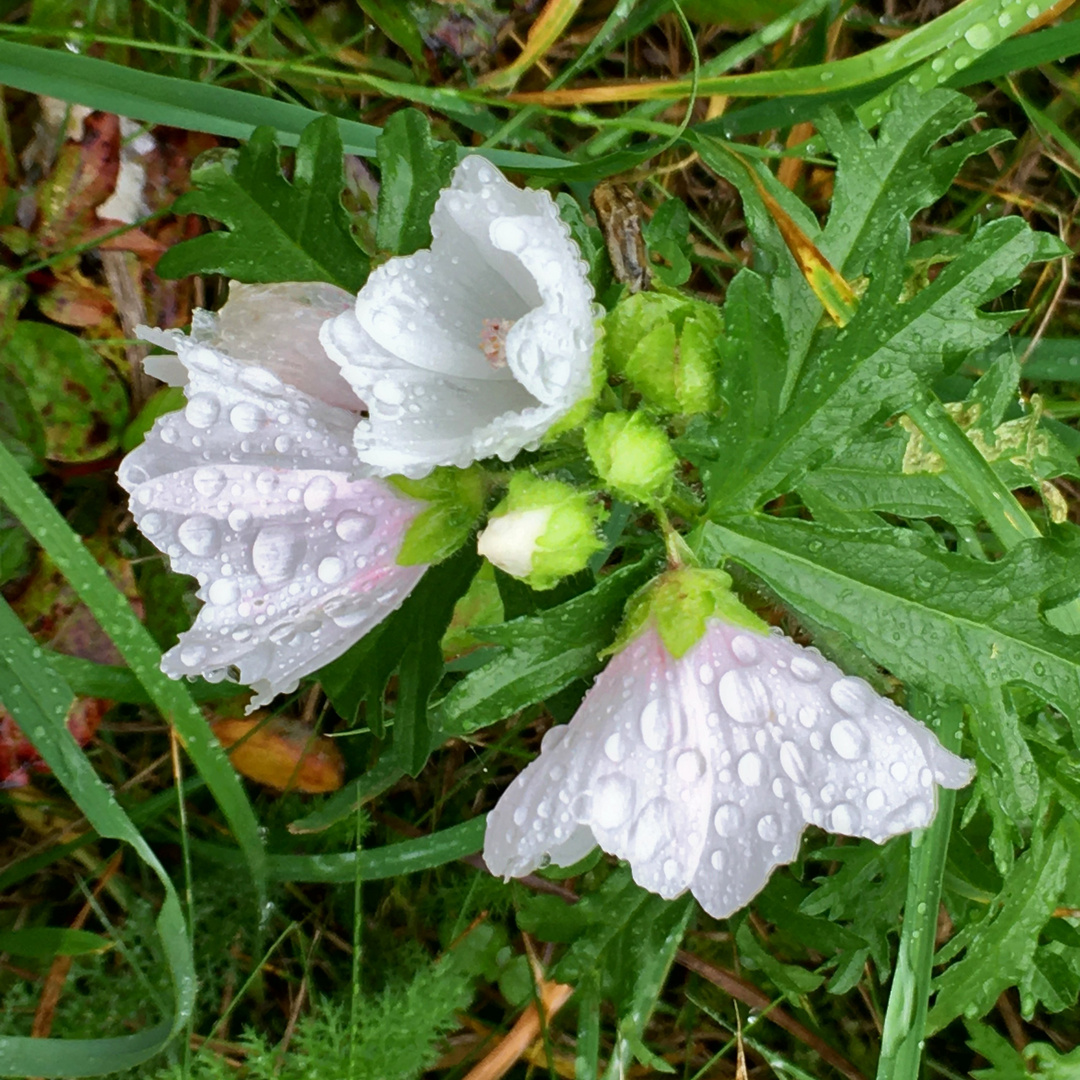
column 493, row 340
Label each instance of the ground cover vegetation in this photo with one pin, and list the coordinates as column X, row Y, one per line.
column 832, row 356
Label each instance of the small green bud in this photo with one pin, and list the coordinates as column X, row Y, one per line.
column 669, row 348
column 632, row 455
column 681, row 601
column 456, row 498
column 542, row 531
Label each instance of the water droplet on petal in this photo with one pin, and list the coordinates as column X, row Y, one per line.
column 728, row 819
column 277, row 552
column 520, row 814
column 152, row 523
column 613, row 748
column 613, row 799
column 768, row 828
column 706, row 674
column 847, row 740
column 352, row 526
column 223, row 591
column 199, row 534
column 191, row 656
column 208, row 482
column 246, row 417
column 851, row 695
column 716, row 860
column 898, row 770
column 844, row 819
column 655, row 728
column 261, row 381
column 805, row 669
column 791, row 761
column 651, row 829
column 875, row 799
column 751, row 769
column 744, row 697
column 331, row 570
column 319, row 493
column 202, row 410
column 239, row 520
column 690, row 765
column 745, row 649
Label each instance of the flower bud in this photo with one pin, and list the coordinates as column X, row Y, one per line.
column 668, row 347
column 542, row 531
column 631, row 455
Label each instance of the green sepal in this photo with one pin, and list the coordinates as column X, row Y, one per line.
column 680, row 602
column 632, row 455
column 668, row 346
column 456, row 498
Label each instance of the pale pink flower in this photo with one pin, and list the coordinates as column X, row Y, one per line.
column 254, row 488
column 476, row 346
column 703, row 771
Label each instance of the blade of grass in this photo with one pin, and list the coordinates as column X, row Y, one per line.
column 955, row 38
column 39, row 700
column 113, row 613
column 904, row 1030
column 544, row 32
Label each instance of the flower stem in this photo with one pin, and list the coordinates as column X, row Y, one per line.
column 904, row 1029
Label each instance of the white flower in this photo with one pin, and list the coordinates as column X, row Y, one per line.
column 477, row 346
column 703, row 771
column 254, row 488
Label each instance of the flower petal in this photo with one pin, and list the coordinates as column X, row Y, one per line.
column 253, row 489
column 477, row 346
column 702, row 772
column 275, row 327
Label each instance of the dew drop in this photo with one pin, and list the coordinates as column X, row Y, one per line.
column 898, row 770
column 202, row 410
column 319, row 493
column 651, row 829
column 744, row 649
column 277, row 552
column 520, row 814
column 851, row 695
column 239, row 520
column 655, row 729
column 613, row 799
column 979, row 36
column 353, row 527
column 847, row 740
column 152, row 523
column 690, row 765
column 768, row 828
column 844, row 819
column 875, row 799
column 208, row 482
column 330, row 570
column 199, row 534
column 805, row 669
column 223, row 592
column 751, row 769
column 706, row 674
column 791, row 761
column 246, row 417
column 261, row 381
column 743, row 697
column 716, row 860
column 728, row 819
column 192, row 656
column 614, row 750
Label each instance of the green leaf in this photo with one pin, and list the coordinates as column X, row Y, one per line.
column 413, row 170
column 39, row 701
column 929, row 616
column 278, row 231
column 540, row 654
column 1000, row 947
column 667, row 234
column 20, row 425
column 78, row 399
column 878, row 364
column 42, row 942
column 398, row 25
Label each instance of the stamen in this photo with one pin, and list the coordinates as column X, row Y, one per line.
column 493, row 340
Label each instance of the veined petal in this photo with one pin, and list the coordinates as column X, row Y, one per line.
column 255, row 490
column 703, row 771
column 476, row 346
column 274, row 327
